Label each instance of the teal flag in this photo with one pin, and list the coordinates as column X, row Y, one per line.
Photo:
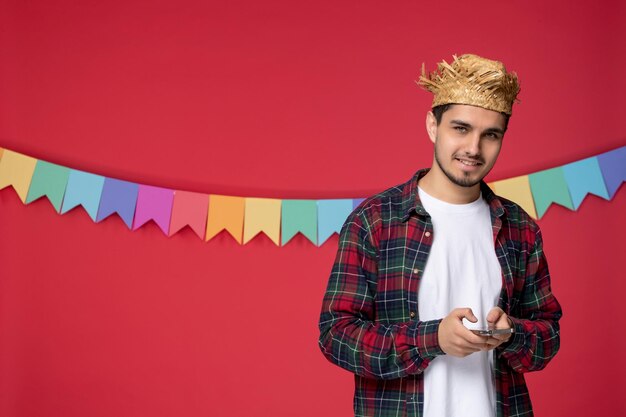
column 331, row 214
column 299, row 216
column 584, row 177
column 83, row 189
column 549, row 187
column 48, row 180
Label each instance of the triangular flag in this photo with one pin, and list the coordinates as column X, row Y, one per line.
column 549, row 187
column 83, row 189
column 299, row 216
column 153, row 203
column 613, row 167
column 225, row 212
column 517, row 190
column 189, row 209
column 17, row 170
column 48, row 180
column 262, row 215
column 585, row 177
column 118, row 197
column 356, row 202
column 331, row 214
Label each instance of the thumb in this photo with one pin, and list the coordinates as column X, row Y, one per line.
column 466, row 313
column 494, row 315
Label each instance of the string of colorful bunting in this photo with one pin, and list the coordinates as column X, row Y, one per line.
column 245, row 217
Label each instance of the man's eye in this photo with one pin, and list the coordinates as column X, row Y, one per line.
column 460, row 129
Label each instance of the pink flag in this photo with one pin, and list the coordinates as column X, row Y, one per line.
column 153, row 203
column 189, row 209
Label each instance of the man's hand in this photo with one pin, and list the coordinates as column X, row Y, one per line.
column 456, row 339
column 498, row 319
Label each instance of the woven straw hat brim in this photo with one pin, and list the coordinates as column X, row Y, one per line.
column 472, row 80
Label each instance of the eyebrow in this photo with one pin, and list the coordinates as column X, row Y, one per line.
column 489, row 130
column 494, row 130
column 461, row 123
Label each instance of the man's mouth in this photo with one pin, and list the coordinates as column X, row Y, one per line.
column 468, row 162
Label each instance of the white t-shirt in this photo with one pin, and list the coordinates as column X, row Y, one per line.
column 462, row 271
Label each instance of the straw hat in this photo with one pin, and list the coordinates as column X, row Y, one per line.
column 473, row 80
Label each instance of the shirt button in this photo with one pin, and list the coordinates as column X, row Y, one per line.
column 415, row 271
column 427, row 234
column 412, row 314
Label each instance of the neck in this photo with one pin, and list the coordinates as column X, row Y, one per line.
column 437, row 184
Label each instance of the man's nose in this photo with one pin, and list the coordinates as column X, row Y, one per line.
column 472, row 147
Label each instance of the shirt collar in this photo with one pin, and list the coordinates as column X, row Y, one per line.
column 411, row 201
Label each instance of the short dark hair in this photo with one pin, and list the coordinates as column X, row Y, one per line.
column 438, row 112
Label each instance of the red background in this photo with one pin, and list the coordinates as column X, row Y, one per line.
column 273, row 99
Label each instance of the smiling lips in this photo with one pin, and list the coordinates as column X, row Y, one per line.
column 469, row 163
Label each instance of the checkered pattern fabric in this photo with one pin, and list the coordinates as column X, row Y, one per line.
column 370, row 324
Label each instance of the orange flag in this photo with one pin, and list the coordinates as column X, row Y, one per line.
column 225, row 213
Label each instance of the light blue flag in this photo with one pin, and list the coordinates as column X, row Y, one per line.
column 83, row 189
column 549, row 187
column 331, row 214
column 584, row 177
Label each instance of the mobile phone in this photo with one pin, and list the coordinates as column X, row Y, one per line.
column 492, row 332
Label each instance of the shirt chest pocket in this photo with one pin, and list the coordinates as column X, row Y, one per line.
column 397, row 286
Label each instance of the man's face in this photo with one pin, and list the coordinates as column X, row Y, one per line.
column 467, row 142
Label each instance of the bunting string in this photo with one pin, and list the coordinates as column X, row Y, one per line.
column 244, row 218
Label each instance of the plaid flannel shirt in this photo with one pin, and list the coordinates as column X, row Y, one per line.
column 369, row 322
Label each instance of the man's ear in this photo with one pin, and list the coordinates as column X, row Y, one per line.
column 431, row 126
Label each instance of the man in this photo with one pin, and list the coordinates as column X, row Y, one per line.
column 421, row 265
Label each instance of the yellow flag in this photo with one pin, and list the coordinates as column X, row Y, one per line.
column 517, row 190
column 17, row 170
column 262, row 215
column 225, row 212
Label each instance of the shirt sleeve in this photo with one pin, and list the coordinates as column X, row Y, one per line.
column 350, row 335
column 537, row 337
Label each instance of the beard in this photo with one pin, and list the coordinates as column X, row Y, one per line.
column 464, row 181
